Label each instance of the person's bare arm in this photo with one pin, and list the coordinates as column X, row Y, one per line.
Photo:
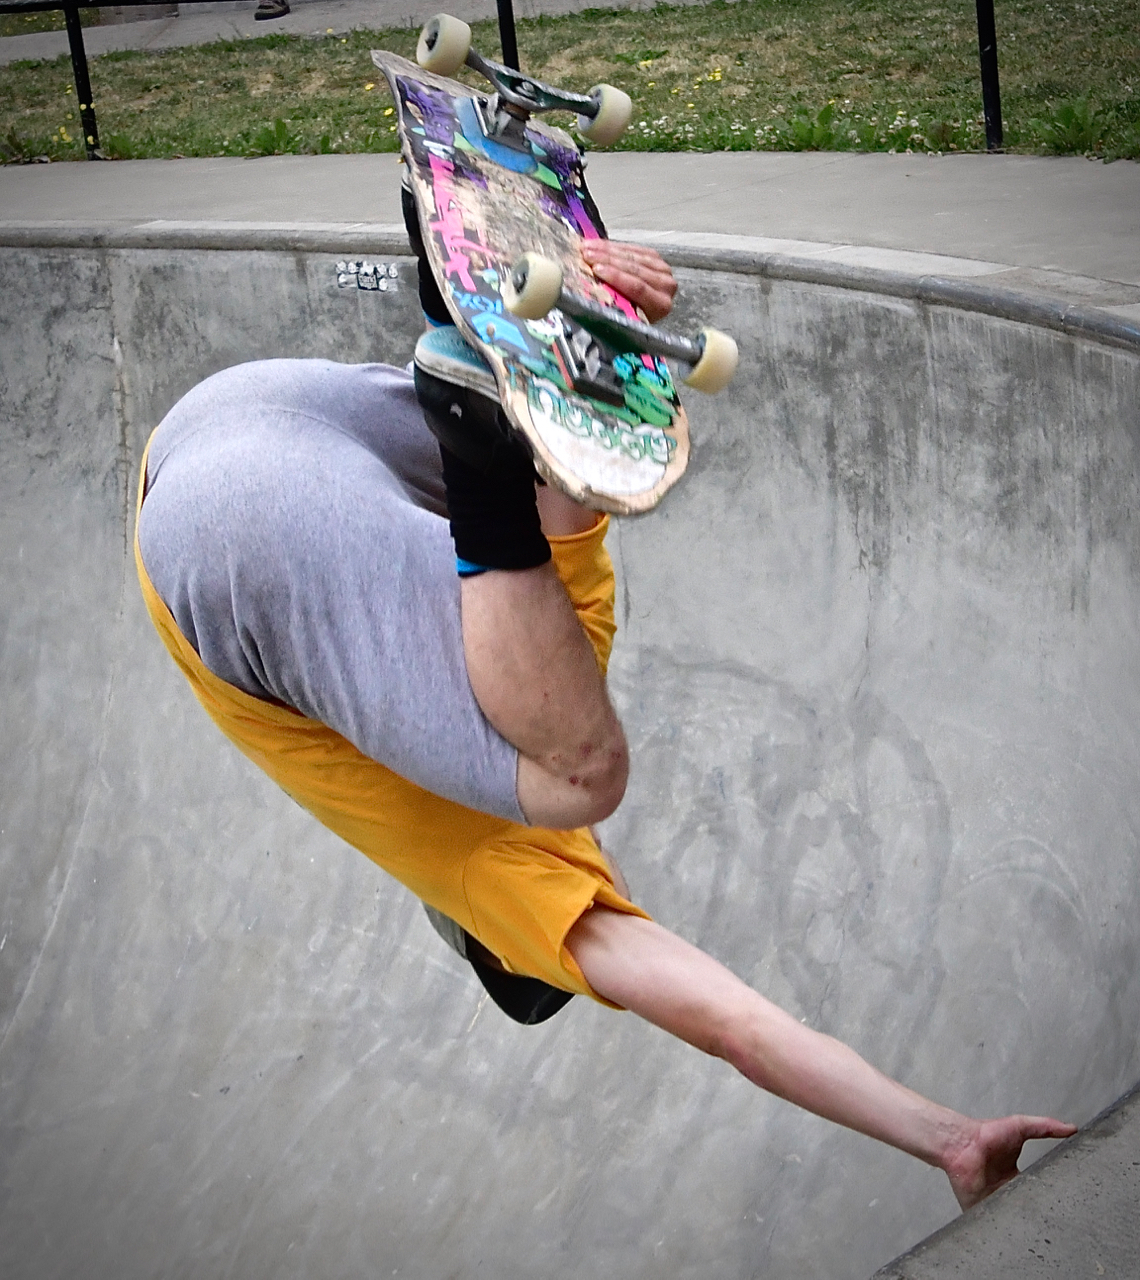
column 643, row 967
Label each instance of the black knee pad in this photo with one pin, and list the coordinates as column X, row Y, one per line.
column 469, row 424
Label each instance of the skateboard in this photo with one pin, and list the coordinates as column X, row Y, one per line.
column 503, row 208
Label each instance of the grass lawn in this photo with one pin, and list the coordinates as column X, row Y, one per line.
column 22, row 24
column 869, row 75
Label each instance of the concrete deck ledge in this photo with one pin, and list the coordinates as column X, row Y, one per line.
column 1071, row 1214
column 934, row 279
column 163, row 233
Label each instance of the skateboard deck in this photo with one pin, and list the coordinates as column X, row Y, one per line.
column 620, row 440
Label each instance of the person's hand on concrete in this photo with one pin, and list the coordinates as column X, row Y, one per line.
column 638, row 273
column 988, row 1157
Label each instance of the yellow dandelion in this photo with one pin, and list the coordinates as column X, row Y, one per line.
column 388, row 111
column 369, row 87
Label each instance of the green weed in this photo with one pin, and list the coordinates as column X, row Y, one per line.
column 1073, row 127
column 275, row 140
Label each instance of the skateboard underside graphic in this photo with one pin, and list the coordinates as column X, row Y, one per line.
column 604, row 426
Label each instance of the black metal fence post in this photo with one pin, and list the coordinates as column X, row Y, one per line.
column 991, row 95
column 82, row 82
column 507, row 37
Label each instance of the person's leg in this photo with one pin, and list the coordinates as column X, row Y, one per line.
column 615, row 871
column 531, row 666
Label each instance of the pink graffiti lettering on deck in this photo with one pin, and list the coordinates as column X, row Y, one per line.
column 449, row 224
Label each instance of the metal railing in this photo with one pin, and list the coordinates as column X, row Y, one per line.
column 991, row 95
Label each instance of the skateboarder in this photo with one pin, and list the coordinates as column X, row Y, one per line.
column 436, row 696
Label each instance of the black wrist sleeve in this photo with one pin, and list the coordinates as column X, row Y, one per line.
column 494, row 516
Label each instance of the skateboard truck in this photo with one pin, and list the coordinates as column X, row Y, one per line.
column 590, row 363
column 534, row 287
column 445, row 45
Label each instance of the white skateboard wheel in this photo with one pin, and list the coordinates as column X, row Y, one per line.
column 608, row 124
column 533, row 286
column 713, row 371
column 443, row 44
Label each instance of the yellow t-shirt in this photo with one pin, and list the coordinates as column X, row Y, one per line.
column 517, row 889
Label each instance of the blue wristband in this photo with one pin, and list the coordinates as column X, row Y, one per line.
column 469, row 570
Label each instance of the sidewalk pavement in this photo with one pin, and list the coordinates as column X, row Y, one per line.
column 1063, row 225
column 1067, row 227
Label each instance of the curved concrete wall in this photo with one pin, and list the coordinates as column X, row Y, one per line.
column 880, row 668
